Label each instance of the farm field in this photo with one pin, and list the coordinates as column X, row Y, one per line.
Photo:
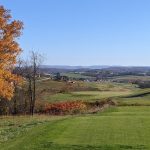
column 118, row 128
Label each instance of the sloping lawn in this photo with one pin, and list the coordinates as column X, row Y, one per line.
column 116, row 129
column 85, row 95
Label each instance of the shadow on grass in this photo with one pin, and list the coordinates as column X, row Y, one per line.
column 137, row 95
column 52, row 146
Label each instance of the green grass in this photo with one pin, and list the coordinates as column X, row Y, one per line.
column 115, row 129
column 132, row 77
column 84, row 91
column 12, row 126
column 85, row 95
column 76, row 75
column 53, row 91
column 139, row 97
column 140, row 100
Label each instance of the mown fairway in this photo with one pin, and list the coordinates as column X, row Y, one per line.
column 115, row 129
column 86, row 95
column 53, row 91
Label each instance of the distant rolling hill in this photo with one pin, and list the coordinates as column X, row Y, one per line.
column 73, row 67
column 65, row 68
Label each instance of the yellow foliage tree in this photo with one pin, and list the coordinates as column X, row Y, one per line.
column 9, row 50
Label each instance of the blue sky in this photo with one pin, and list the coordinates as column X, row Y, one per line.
column 85, row 32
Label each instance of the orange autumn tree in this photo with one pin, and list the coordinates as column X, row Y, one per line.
column 10, row 30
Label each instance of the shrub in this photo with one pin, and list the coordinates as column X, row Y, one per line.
column 39, row 106
column 65, row 108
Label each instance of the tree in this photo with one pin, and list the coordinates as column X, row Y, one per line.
column 9, row 50
column 58, row 76
column 31, row 73
column 18, row 90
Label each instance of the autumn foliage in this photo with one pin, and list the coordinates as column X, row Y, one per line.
column 65, row 107
column 9, row 50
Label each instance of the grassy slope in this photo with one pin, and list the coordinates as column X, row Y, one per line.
column 83, row 90
column 76, row 75
column 117, row 129
column 139, row 97
column 85, row 96
column 49, row 91
column 131, row 77
column 12, row 126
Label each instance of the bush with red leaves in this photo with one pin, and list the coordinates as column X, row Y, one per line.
column 66, row 108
